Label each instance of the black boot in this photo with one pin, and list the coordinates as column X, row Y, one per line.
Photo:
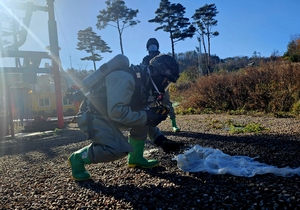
column 166, row 144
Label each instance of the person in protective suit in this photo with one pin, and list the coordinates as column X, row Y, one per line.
column 121, row 102
column 153, row 50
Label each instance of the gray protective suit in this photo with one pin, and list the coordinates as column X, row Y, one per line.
column 119, row 106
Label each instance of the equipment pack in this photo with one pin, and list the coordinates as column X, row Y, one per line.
column 116, row 63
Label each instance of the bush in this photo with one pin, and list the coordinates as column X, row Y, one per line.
column 295, row 58
column 296, row 107
column 270, row 87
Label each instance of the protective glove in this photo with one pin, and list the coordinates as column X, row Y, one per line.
column 153, row 119
column 166, row 144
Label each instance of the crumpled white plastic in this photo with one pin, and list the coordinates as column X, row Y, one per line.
column 214, row 161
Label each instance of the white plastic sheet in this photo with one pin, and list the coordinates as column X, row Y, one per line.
column 214, row 161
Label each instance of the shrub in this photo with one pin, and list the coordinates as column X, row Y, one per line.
column 296, row 107
column 269, row 87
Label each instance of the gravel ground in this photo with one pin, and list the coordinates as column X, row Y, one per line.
column 35, row 174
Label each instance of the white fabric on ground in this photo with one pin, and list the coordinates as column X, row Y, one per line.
column 214, row 161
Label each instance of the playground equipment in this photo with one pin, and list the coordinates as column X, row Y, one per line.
column 31, row 59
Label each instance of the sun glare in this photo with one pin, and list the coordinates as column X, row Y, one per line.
column 15, row 18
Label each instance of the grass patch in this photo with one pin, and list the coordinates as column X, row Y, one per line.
column 249, row 128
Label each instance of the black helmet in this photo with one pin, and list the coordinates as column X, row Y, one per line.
column 165, row 65
column 152, row 41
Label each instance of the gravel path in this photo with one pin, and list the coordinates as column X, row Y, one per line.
column 35, row 174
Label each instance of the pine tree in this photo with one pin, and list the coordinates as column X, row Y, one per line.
column 91, row 43
column 205, row 19
column 171, row 19
column 119, row 14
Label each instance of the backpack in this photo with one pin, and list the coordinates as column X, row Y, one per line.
column 95, row 81
column 116, row 63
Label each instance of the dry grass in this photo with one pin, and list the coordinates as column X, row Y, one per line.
column 271, row 87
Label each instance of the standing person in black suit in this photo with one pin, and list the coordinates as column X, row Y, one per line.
column 153, row 50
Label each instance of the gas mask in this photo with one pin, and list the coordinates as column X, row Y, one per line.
column 152, row 48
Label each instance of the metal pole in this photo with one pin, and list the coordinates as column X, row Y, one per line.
column 54, row 52
column 71, row 62
column 1, row 44
column 10, row 112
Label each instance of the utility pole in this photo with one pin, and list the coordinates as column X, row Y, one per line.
column 1, row 42
column 54, row 53
column 71, row 62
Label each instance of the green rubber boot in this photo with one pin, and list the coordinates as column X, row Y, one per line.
column 136, row 157
column 76, row 161
column 174, row 126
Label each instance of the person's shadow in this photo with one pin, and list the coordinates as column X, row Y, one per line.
column 173, row 183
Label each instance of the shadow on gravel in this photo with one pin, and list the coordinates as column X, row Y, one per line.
column 148, row 196
column 279, row 150
column 44, row 143
column 162, row 193
column 268, row 148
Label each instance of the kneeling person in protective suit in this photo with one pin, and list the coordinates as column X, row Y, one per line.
column 121, row 102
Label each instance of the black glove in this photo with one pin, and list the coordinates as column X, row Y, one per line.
column 153, row 119
column 166, row 144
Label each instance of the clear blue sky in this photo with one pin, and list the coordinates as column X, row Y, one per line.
column 245, row 26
